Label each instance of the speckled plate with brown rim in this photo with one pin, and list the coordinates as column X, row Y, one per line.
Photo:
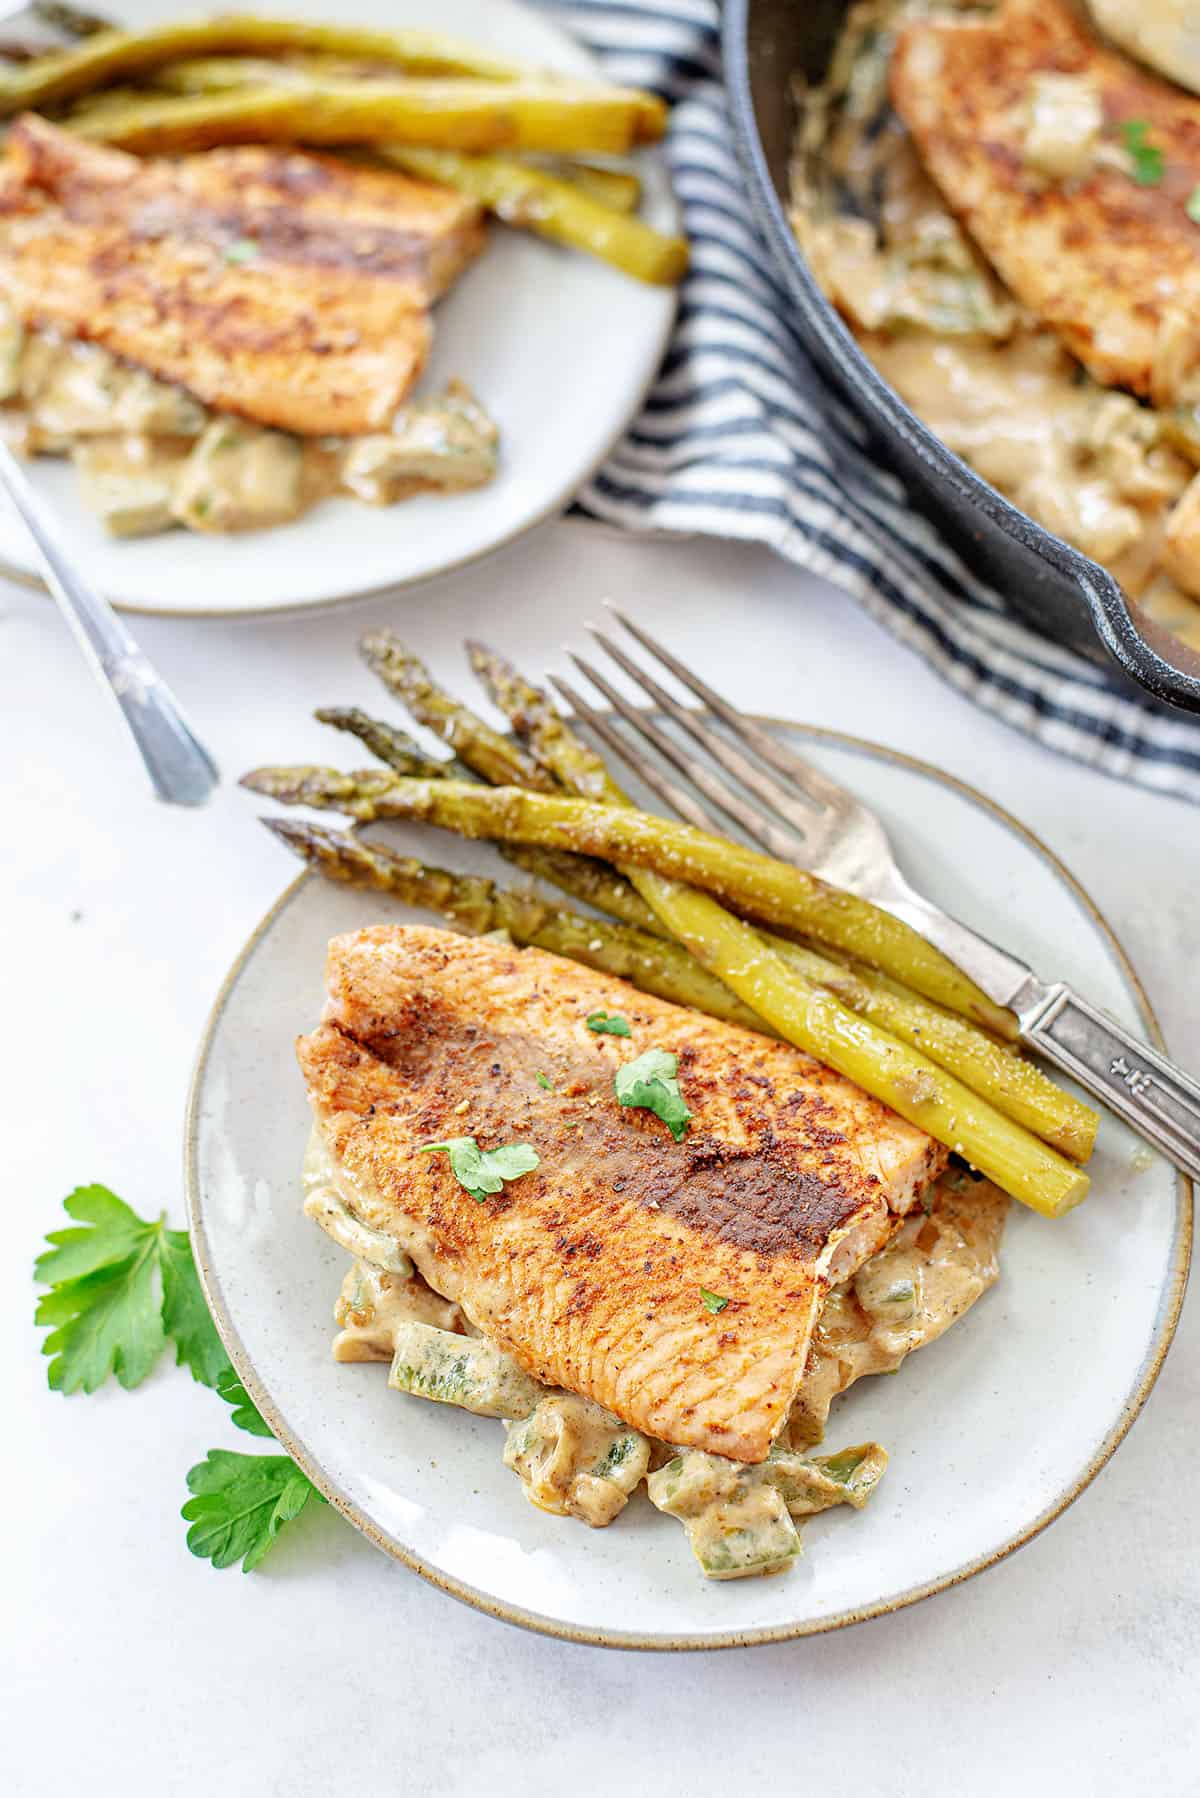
column 992, row 1431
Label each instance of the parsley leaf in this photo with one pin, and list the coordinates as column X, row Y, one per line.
column 604, row 1025
column 483, row 1171
column 1192, row 208
column 119, row 1288
column 650, row 1082
column 245, row 249
column 106, row 1322
column 1147, row 159
column 545, row 1084
column 185, row 1314
column 712, row 1301
column 245, row 1412
column 241, row 1503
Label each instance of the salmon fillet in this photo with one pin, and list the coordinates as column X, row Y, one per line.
column 1113, row 267
column 290, row 288
column 589, row 1270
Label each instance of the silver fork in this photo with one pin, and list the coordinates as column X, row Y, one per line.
column 809, row 820
column 180, row 768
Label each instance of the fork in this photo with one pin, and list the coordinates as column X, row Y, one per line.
column 796, row 813
column 180, row 768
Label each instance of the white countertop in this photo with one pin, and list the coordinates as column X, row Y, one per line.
column 127, row 1665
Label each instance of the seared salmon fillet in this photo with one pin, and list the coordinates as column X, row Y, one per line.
column 1113, row 266
column 589, row 1271
column 290, row 288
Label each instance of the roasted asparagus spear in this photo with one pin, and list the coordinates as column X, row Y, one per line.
column 109, row 56
column 793, row 1006
column 757, row 884
column 477, row 905
column 493, row 756
column 1017, row 1088
column 392, row 746
column 533, row 114
column 537, row 201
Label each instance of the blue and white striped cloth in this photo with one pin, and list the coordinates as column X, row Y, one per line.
column 741, row 438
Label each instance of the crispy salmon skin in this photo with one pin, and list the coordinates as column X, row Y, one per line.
column 290, row 288
column 1108, row 261
column 590, row 1269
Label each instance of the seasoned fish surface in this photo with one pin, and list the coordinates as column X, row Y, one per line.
column 1112, row 265
column 589, row 1270
column 290, row 288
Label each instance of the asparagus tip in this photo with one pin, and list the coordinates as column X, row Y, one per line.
column 287, row 830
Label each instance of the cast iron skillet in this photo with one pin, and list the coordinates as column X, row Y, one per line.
column 1058, row 590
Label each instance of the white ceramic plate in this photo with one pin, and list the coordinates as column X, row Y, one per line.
column 992, row 1431
column 560, row 348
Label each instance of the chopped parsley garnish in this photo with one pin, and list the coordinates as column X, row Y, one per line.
column 245, row 249
column 1147, row 159
column 1192, row 207
column 546, row 1085
column 605, row 1025
column 483, row 1171
column 650, row 1082
column 712, row 1301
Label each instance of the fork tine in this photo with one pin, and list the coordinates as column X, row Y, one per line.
column 672, row 795
column 780, row 841
column 771, row 791
column 811, row 781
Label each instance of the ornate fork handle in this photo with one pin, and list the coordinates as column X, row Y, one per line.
column 180, row 768
column 1159, row 1100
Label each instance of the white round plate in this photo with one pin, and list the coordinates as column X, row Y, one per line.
column 560, row 349
column 992, row 1431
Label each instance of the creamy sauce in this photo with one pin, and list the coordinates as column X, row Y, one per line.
column 373, row 1304
column 150, row 457
column 1114, row 478
column 932, row 1271
column 739, row 1520
column 736, row 1522
column 329, row 1199
column 467, row 1371
column 575, row 1459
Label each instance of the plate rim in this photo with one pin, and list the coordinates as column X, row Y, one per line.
column 555, row 507
column 1175, row 1287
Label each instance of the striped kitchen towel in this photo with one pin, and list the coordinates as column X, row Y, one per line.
column 741, row 438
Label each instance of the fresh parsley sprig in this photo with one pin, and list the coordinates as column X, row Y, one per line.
column 650, row 1082
column 241, row 1503
column 121, row 1288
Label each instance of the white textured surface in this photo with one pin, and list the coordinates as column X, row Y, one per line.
column 127, row 1665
